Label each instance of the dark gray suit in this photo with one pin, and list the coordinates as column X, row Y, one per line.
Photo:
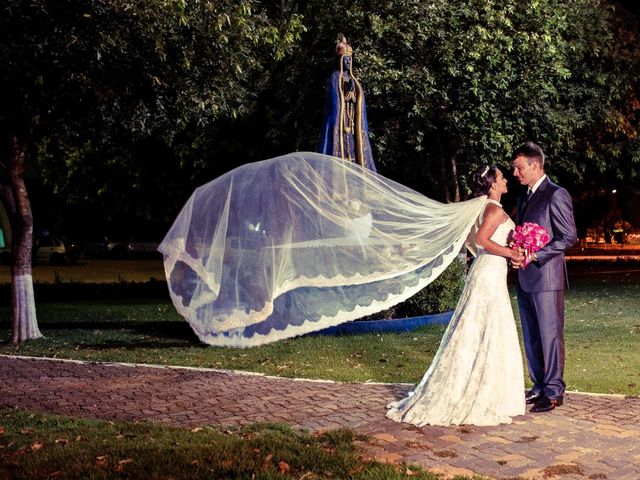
column 541, row 287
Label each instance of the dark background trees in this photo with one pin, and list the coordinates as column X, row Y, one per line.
column 454, row 85
column 108, row 95
column 95, row 96
column 113, row 111
column 158, row 100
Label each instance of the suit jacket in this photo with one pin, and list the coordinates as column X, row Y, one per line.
column 550, row 206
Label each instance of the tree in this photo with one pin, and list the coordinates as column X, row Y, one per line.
column 453, row 85
column 82, row 78
column 449, row 86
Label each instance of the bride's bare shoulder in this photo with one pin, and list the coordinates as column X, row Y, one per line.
column 493, row 210
column 495, row 214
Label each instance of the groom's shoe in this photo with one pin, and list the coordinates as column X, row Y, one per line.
column 531, row 397
column 546, row 404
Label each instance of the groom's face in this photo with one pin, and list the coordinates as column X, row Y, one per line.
column 525, row 172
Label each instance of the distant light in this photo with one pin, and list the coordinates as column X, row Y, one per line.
column 614, row 191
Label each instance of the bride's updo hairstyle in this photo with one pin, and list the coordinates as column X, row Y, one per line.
column 482, row 180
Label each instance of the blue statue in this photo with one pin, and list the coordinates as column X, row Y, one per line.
column 345, row 129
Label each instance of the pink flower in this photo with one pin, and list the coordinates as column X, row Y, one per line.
column 531, row 237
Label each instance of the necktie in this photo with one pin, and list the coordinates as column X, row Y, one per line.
column 523, row 205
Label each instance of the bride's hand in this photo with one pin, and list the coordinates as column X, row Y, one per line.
column 516, row 256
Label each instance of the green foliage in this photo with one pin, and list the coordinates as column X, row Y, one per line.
column 439, row 296
column 454, row 85
column 111, row 91
column 101, row 90
column 135, row 68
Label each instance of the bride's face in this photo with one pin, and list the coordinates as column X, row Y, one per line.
column 500, row 185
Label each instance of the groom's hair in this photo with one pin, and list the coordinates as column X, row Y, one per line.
column 532, row 152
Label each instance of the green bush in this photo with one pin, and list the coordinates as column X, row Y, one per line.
column 439, row 296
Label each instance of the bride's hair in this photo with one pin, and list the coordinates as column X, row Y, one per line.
column 482, row 179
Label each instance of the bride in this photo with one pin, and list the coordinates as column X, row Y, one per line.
column 476, row 376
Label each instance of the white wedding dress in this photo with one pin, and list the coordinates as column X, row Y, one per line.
column 476, row 377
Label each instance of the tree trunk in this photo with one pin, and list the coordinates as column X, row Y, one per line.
column 454, row 177
column 444, row 171
column 24, row 325
column 449, row 172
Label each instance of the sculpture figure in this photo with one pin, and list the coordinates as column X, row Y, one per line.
column 345, row 129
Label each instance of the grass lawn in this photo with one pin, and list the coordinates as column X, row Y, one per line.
column 49, row 447
column 603, row 336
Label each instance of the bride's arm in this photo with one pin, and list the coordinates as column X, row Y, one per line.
column 493, row 217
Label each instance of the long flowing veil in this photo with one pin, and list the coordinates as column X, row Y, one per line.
column 298, row 243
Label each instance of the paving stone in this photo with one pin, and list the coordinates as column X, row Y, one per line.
column 452, row 439
column 601, row 434
column 513, row 460
column 497, row 439
column 448, row 471
column 385, row 437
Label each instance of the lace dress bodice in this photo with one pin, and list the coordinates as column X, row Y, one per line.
column 501, row 235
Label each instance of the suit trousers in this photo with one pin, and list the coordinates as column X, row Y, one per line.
column 542, row 317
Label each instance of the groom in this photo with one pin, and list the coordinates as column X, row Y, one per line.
column 541, row 283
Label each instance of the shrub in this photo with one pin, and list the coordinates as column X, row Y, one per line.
column 439, row 296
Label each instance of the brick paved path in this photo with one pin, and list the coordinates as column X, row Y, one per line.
column 590, row 437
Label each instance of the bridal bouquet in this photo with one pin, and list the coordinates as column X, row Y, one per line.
column 531, row 237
